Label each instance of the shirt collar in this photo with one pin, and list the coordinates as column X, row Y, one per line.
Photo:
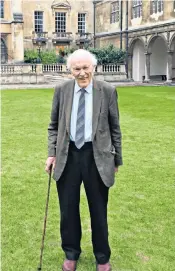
column 88, row 88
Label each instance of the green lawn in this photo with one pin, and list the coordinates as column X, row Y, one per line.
column 141, row 204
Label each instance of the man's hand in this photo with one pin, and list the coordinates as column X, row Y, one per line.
column 50, row 161
column 116, row 169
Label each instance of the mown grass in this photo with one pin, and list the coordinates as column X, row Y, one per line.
column 141, row 204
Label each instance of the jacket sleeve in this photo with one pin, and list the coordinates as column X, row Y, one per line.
column 115, row 128
column 53, row 125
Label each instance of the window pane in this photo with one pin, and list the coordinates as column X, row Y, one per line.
column 157, row 6
column 137, row 8
column 1, row 9
column 81, row 23
column 38, row 15
column 115, row 12
column 113, row 20
column 60, row 22
column 160, row 5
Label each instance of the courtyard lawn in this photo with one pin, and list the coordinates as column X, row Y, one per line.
column 141, row 203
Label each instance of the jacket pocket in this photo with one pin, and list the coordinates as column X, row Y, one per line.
column 103, row 122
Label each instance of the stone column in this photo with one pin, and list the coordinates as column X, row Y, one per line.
column 39, row 69
column 147, row 66
column 99, row 68
column 26, row 69
column 169, row 66
column 130, row 59
column 17, row 31
column 64, row 69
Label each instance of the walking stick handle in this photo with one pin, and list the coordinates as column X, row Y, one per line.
column 51, row 167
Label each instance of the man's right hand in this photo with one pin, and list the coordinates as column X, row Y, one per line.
column 50, row 161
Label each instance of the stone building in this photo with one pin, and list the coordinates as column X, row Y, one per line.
column 148, row 32
column 44, row 24
column 11, row 24
column 146, row 29
column 57, row 24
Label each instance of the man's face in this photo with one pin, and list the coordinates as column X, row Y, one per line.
column 82, row 70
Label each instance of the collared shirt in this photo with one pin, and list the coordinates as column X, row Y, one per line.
column 88, row 112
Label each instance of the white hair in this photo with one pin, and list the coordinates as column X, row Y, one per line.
column 81, row 54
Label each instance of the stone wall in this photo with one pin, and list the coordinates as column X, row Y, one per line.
column 22, row 79
column 39, row 74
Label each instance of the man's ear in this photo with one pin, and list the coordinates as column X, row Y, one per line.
column 94, row 69
column 70, row 70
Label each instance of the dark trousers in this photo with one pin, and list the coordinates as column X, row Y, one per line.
column 81, row 167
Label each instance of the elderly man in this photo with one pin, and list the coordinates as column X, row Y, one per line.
column 84, row 145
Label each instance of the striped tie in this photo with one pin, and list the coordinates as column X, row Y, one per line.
column 80, row 126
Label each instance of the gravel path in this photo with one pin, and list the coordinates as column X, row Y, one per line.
column 52, row 85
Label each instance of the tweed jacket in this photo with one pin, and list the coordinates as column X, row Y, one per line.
column 106, row 134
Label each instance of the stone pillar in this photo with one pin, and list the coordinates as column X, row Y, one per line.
column 64, row 69
column 39, row 69
column 122, row 68
column 18, row 46
column 26, row 69
column 17, row 31
column 99, row 68
column 130, row 58
column 147, row 67
column 169, row 66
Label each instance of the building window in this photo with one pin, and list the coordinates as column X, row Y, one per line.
column 2, row 8
column 136, row 8
column 38, row 21
column 81, row 23
column 60, row 22
column 3, row 52
column 115, row 12
column 174, row 4
column 156, row 6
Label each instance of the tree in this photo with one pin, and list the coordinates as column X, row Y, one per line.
column 108, row 55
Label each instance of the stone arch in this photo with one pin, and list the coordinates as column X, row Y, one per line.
column 158, row 48
column 132, row 43
column 172, row 42
column 4, row 51
column 137, row 59
column 153, row 39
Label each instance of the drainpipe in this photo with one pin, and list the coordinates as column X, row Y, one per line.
column 121, row 22
column 95, row 2
column 94, row 24
column 126, row 36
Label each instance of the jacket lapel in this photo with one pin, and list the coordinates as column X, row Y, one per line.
column 97, row 99
column 69, row 93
